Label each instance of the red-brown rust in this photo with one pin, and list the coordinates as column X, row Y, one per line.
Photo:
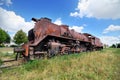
column 26, row 47
column 44, row 31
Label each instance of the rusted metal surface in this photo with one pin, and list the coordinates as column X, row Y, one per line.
column 44, row 27
column 57, row 39
column 97, row 42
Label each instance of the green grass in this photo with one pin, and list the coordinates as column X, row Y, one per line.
column 98, row 65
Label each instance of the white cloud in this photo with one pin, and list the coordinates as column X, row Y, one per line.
column 77, row 28
column 105, row 9
column 112, row 28
column 58, row 21
column 12, row 22
column 5, row 2
column 109, row 40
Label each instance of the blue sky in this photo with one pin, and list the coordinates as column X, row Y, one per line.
column 97, row 17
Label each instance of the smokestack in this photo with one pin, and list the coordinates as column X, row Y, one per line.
column 34, row 19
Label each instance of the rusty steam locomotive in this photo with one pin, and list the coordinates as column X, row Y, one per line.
column 49, row 39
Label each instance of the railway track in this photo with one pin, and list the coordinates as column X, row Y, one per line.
column 11, row 63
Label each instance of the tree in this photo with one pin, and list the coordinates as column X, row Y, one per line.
column 4, row 37
column 113, row 46
column 118, row 45
column 8, row 38
column 20, row 37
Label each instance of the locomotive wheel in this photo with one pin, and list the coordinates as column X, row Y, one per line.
column 51, row 53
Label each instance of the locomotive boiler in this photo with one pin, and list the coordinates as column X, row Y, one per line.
column 49, row 39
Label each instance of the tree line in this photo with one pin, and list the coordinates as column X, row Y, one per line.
column 19, row 37
column 115, row 45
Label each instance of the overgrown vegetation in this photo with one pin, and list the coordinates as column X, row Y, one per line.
column 98, row 65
